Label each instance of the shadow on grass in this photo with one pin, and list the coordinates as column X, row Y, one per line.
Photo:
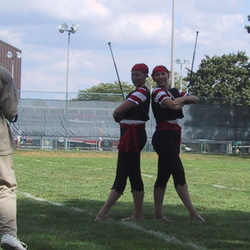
column 43, row 225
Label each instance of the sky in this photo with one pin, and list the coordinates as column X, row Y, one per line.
column 139, row 31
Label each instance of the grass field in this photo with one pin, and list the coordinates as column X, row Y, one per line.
column 59, row 194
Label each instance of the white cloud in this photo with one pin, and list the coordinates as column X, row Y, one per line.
column 140, row 31
column 67, row 9
column 9, row 37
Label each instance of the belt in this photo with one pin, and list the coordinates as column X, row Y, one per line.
column 170, row 126
column 129, row 140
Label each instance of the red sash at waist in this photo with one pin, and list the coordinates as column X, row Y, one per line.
column 170, row 126
column 129, row 140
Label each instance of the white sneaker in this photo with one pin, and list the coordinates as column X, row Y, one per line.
column 9, row 242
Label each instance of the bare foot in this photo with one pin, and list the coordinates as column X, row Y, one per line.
column 100, row 217
column 197, row 218
column 132, row 217
column 163, row 218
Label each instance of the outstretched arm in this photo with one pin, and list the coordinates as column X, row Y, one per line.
column 188, row 99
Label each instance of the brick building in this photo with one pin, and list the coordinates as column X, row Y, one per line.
column 10, row 58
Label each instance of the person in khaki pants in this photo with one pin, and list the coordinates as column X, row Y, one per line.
column 8, row 185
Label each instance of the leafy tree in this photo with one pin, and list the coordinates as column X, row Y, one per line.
column 227, row 78
column 105, row 92
column 248, row 27
column 108, row 91
column 180, row 82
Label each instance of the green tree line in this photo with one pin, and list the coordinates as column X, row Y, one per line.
column 225, row 78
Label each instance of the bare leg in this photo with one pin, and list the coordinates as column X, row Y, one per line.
column 158, row 203
column 158, row 200
column 138, row 206
column 184, row 195
column 112, row 198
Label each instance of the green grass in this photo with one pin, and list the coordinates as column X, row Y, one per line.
column 72, row 187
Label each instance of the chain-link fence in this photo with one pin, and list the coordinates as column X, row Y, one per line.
column 211, row 126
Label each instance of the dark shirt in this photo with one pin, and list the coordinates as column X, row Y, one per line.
column 165, row 114
column 141, row 97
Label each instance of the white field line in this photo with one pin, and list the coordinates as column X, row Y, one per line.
column 162, row 236
column 157, row 234
column 147, row 175
column 220, row 186
column 55, row 203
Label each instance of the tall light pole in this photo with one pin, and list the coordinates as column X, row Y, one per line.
column 172, row 48
column 178, row 61
column 11, row 56
column 62, row 28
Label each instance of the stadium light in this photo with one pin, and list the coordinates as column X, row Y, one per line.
column 172, row 46
column 11, row 56
column 178, row 61
column 64, row 28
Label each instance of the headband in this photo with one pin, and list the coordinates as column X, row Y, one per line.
column 159, row 69
column 140, row 67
